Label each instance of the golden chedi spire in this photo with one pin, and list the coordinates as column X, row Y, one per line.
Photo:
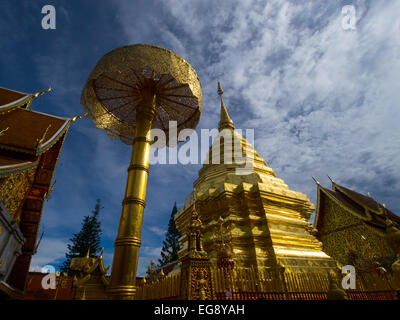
column 225, row 122
column 268, row 222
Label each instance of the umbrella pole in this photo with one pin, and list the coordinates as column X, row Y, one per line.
column 127, row 244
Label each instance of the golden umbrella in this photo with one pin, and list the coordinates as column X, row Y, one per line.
column 131, row 90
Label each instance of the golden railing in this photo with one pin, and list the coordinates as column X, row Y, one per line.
column 162, row 289
column 252, row 284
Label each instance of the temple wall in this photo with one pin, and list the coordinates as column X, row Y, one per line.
column 341, row 231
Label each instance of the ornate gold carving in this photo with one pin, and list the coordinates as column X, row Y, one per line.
column 200, row 285
column 14, row 189
column 344, row 235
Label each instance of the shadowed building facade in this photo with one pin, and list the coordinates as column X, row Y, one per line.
column 30, row 145
column 266, row 222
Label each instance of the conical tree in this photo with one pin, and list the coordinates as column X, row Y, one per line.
column 169, row 251
column 88, row 238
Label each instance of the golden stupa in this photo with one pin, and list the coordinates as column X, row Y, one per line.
column 267, row 224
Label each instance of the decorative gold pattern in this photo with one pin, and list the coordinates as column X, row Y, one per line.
column 342, row 233
column 14, row 189
column 113, row 91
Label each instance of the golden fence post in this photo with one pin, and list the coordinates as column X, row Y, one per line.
column 305, row 285
column 284, row 284
column 288, row 282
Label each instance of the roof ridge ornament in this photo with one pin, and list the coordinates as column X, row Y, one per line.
column 40, row 141
column 225, row 121
column 316, row 181
column 2, row 132
column 79, row 117
column 35, row 95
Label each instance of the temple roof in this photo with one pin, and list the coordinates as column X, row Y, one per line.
column 11, row 164
column 365, row 201
column 11, row 99
column 366, row 208
column 30, row 131
column 25, row 134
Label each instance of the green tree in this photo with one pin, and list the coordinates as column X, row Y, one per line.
column 87, row 238
column 169, row 251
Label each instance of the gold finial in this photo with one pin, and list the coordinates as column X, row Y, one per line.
column 37, row 245
column 382, row 211
column 220, row 91
column 35, row 95
column 331, row 179
column 225, row 121
column 101, row 253
column 41, row 140
column 87, row 253
column 48, row 193
column 3, row 131
column 79, row 117
column 316, row 181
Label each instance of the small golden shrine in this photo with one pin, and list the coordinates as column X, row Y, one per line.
column 267, row 223
column 93, row 280
column 30, row 145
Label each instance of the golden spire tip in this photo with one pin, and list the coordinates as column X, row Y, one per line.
column 316, row 181
column 220, row 91
column 225, row 121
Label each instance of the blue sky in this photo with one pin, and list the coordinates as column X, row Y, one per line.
column 322, row 100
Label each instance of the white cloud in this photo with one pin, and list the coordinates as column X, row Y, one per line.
column 157, row 230
column 322, row 100
column 50, row 252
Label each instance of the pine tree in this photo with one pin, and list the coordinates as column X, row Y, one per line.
column 169, row 251
column 88, row 238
